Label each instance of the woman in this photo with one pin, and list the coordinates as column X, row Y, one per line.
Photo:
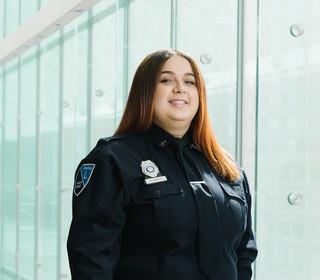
column 161, row 199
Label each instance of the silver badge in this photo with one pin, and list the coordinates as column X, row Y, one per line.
column 149, row 168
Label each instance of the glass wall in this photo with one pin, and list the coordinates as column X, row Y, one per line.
column 288, row 177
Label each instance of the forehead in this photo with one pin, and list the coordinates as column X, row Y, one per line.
column 177, row 64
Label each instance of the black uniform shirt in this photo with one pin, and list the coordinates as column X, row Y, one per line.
column 183, row 221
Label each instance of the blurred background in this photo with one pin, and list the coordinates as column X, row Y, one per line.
column 66, row 67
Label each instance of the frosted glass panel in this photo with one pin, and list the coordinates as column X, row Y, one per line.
column 28, row 9
column 288, row 142
column 1, row 18
column 49, row 139
column 11, row 9
column 1, row 159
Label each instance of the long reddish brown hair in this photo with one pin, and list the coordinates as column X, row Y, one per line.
column 138, row 114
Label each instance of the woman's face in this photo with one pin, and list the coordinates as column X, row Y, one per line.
column 176, row 98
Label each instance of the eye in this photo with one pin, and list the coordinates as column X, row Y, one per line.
column 165, row 81
column 190, row 82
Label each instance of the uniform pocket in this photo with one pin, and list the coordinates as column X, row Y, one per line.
column 161, row 190
column 148, row 210
column 235, row 197
column 161, row 195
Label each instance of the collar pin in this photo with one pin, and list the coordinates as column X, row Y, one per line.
column 163, row 143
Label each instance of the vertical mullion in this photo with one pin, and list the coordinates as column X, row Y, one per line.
column 37, row 262
column 18, row 171
column 239, row 91
column 173, row 29
column 19, row 13
column 89, row 82
column 121, row 71
column 59, row 158
column 256, row 129
column 116, row 59
column 1, row 171
column 126, row 38
column 18, row 174
column 4, row 20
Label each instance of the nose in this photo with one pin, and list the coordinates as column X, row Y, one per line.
column 179, row 88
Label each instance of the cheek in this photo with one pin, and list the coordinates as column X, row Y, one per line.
column 195, row 100
column 159, row 106
column 159, row 96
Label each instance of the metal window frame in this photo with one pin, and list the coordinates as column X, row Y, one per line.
column 1, row 169
column 239, row 82
column 37, row 187
column 59, row 156
column 247, row 96
column 174, row 25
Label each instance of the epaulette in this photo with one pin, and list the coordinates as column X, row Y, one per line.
column 112, row 138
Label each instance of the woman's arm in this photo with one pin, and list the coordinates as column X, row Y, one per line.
column 94, row 240
column 247, row 250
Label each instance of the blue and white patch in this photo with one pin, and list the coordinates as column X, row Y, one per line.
column 83, row 177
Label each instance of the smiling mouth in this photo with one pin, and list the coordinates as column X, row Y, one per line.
column 178, row 102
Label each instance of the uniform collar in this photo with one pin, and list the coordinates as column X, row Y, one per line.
column 163, row 139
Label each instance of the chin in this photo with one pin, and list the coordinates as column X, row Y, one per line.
column 182, row 118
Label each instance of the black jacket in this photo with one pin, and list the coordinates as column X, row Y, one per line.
column 187, row 223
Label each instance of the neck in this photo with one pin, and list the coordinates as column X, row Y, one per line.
column 175, row 129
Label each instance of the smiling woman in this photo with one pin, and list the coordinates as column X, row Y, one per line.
column 161, row 199
column 176, row 97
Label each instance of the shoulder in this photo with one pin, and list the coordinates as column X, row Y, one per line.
column 118, row 143
column 117, row 147
column 114, row 140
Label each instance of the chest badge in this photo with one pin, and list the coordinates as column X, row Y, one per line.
column 151, row 172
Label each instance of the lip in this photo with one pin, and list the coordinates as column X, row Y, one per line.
column 178, row 101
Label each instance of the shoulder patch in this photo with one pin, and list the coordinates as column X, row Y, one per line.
column 83, row 177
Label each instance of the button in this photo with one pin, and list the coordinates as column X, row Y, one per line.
column 157, row 193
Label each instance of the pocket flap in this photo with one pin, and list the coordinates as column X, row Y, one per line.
column 235, row 191
column 161, row 190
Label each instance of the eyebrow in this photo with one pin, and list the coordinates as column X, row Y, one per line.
column 172, row 73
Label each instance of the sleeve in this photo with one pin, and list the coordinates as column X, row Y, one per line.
column 94, row 240
column 247, row 250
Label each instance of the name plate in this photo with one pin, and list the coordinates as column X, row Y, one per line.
column 159, row 179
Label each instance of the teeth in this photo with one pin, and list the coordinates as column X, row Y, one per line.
column 178, row 102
